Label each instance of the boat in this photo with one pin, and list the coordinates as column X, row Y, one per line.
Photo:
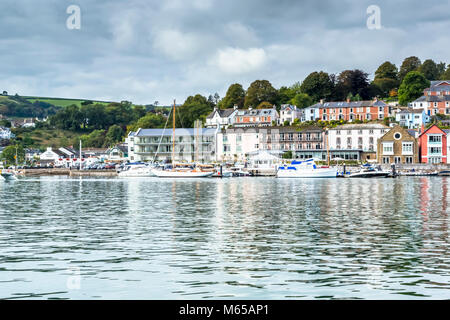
column 369, row 171
column 174, row 172
column 136, row 170
column 8, row 174
column 305, row 169
column 444, row 173
column 417, row 173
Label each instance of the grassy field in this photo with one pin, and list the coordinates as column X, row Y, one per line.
column 52, row 138
column 61, row 102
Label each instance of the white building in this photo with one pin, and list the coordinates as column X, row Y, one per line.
column 355, row 141
column 289, row 113
column 223, row 118
column 234, row 144
column 412, row 118
column 156, row 145
column 5, row 133
column 310, row 114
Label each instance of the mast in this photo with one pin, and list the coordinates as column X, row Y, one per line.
column 173, row 137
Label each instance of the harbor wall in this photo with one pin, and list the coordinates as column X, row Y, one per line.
column 67, row 172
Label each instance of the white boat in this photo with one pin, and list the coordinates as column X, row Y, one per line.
column 305, row 169
column 182, row 173
column 8, row 174
column 136, row 170
column 369, row 171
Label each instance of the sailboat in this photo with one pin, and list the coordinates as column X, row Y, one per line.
column 180, row 173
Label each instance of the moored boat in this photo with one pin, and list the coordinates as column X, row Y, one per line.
column 136, row 170
column 369, row 171
column 305, row 169
column 8, row 174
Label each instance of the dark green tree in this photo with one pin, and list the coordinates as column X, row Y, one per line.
column 409, row 64
column 412, row 87
column 302, row 100
column 429, row 69
column 114, row 135
column 195, row 107
column 235, row 96
column 354, row 82
column 259, row 91
column 318, row 85
column 9, row 155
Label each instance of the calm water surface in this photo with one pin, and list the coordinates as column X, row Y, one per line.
column 240, row 238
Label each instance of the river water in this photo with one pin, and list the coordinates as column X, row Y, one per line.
column 235, row 238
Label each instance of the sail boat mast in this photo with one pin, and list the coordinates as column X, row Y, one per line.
column 173, row 137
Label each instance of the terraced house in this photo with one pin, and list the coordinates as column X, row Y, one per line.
column 353, row 110
column 398, row 146
column 433, row 145
column 435, row 99
column 256, row 117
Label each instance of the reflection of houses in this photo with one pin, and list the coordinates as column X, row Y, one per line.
column 255, row 117
column 435, row 99
column 412, row 118
column 156, row 144
column 398, row 146
column 353, row 110
column 289, row 113
column 221, row 117
column 433, row 145
column 355, row 141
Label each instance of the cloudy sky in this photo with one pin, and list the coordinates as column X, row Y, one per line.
column 149, row 50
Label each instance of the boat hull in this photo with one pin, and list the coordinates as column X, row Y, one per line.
column 7, row 176
column 181, row 174
column 307, row 173
column 378, row 174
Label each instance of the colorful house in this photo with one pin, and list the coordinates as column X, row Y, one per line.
column 433, row 145
column 435, row 99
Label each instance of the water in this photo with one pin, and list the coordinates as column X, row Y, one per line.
column 239, row 238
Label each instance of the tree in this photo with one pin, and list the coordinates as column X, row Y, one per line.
column 286, row 94
column 441, row 69
column 216, row 98
column 264, row 105
column 96, row 139
column 409, row 64
column 318, row 85
column 429, row 69
column 259, row 91
column 446, row 74
column 386, row 79
column 302, row 100
column 235, row 96
column 115, row 134
column 150, row 120
column 412, row 87
column 194, row 108
column 9, row 155
column 354, row 82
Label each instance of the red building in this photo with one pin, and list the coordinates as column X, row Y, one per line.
column 435, row 99
column 433, row 145
column 353, row 110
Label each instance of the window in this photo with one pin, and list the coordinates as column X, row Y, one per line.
column 338, row 132
column 380, row 116
column 407, row 148
column 397, row 160
column 397, row 136
column 434, row 150
column 435, row 160
column 386, row 160
column 408, row 159
column 434, row 139
column 388, row 148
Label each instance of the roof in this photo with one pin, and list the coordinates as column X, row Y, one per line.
column 223, row 113
column 433, row 125
column 410, row 110
column 288, row 106
column 351, row 104
column 178, row 132
column 440, row 82
column 360, row 126
column 256, row 112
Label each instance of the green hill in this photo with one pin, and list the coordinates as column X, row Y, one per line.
column 62, row 102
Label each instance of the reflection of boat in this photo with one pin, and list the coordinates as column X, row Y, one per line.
column 369, row 171
column 305, row 169
column 8, row 174
column 136, row 170
column 175, row 172
column 239, row 172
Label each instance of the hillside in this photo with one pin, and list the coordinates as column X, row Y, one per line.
column 62, row 102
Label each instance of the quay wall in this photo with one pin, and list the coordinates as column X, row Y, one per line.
column 67, row 172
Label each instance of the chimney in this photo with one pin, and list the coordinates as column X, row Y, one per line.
column 250, row 108
column 321, row 101
column 235, row 107
column 215, row 109
column 348, row 100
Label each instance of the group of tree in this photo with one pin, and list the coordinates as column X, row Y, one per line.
column 17, row 106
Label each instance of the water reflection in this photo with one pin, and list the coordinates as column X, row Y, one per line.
column 242, row 238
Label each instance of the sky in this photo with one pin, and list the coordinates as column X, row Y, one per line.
column 147, row 50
